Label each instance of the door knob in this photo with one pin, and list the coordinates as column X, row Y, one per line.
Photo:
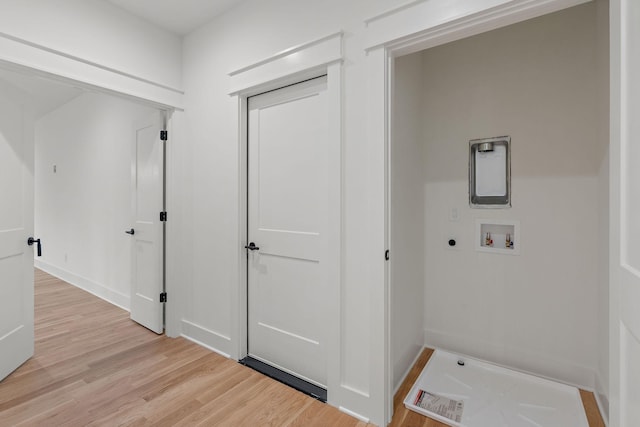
column 31, row 241
column 252, row 247
column 132, row 231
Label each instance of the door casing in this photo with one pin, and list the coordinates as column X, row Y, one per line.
column 171, row 108
column 334, row 268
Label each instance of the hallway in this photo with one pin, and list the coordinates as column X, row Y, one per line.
column 94, row 366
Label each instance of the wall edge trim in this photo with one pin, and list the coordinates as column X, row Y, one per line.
column 353, row 414
column 91, row 63
column 286, row 52
column 208, row 347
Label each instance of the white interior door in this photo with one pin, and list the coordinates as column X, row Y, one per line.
column 287, row 221
column 625, row 295
column 147, row 232
column 16, row 226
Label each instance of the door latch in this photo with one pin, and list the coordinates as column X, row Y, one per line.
column 31, row 241
column 252, row 247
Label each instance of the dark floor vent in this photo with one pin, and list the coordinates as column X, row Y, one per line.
column 286, row 378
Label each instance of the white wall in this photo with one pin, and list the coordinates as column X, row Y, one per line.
column 98, row 32
column 407, row 217
column 249, row 33
column 208, row 157
column 82, row 210
column 536, row 81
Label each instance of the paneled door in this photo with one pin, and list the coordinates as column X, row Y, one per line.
column 287, row 229
column 147, row 230
column 16, row 227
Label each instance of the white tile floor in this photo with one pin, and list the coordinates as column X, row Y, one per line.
column 494, row 396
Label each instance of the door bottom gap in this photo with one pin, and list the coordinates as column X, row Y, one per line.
column 286, row 378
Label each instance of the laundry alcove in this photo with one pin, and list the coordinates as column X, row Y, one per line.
column 543, row 82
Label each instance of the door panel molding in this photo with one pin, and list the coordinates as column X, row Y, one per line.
column 339, row 394
column 288, row 132
column 16, row 226
column 147, row 201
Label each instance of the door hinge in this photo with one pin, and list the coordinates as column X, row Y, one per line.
column 163, row 297
column 386, row 255
column 164, row 135
column 163, row 216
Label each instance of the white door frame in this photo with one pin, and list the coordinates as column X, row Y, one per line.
column 425, row 25
column 168, row 101
column 322, row 56
column 333, row 314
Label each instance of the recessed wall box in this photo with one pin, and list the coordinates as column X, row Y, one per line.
column 498, row 236
column 490, row 172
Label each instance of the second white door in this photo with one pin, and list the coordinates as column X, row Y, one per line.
column 147, row 231
column 287, row 224
column 16, row 226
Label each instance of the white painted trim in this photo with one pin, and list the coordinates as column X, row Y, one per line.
column 335, row 216
column 380, row 405
column 174, row 228
column 355, row 391
column 354, row 414
column 101, row 291
column 388, row 221
column 617, row 123
column 297, row 63
column 206, row 337
column 602, row 400
column 421, row 25
column 391, row 11
column 286, row 52
column 406, row 373
column 208, row 347
column 25, row 57
column 85, row 61
column 321, row 57
column 239, row 300
column 601, row 408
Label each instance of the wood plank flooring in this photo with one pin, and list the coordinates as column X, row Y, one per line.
column 402, row 417
column 93, row 366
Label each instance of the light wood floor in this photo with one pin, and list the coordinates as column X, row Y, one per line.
column 94, row 367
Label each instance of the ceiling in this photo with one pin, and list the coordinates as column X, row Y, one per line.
column 46, row 95
column 178, row 16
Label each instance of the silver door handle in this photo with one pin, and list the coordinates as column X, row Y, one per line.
column 252, row 247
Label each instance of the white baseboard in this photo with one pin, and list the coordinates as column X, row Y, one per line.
column 101, row 291
column 541, row 365
column 404, row 377
column 354, row 414
column 206, row 338
column 602, row 399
